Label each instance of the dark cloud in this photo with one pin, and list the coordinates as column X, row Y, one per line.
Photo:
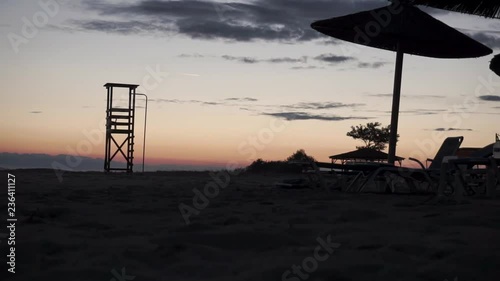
column 167, row 100
column 294, row 116
column 35, row 112
column 418, row 112
column 329, row 42
column 330, row 58
column 487, row 39
column 380, row 95
column 242, row 99
column 408, row 96
column 176, row 101
column 450, row 129
column 306, row 67
column 223, row 102
column 320, row 105
column 252, row 60
column 45, row 161
column 204, row 102
column 272, row 20
column 414, row 112
column 427, row 96
column 122, row 27
column 490, row 98
column 295, row 111
column 191, row 56
column 288, row 60
column 210, row 103
column 371, row 65
column 248, row 60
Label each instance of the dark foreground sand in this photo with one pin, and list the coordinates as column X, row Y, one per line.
column 102, row 227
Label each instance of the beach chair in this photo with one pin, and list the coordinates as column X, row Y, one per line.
column 413, row 178
column 340, row 175
column 472, row 172
column 314, row 176
column 449, row 147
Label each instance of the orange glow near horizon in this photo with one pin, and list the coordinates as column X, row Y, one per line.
column 184, row 154
column 210, row 138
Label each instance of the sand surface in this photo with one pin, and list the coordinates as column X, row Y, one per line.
column 93, row 226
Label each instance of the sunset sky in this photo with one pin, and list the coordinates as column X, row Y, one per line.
column 223, row 75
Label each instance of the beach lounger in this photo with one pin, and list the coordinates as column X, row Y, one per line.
column 315, row 177
column 413, row 178
column 476, row 173
column 294, row 184
column 343, row 175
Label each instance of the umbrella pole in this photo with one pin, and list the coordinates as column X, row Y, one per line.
column 395, row 105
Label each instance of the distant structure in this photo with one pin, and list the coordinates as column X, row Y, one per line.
column 120, row 129
column 363, row 155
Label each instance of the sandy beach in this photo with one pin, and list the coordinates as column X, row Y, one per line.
column 93, row 226
column 352, row 133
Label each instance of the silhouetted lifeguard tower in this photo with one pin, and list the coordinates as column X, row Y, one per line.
column 120, row 129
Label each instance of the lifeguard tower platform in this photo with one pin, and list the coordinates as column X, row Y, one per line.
column 120, row 119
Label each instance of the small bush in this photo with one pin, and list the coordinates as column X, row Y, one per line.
column 261, row 166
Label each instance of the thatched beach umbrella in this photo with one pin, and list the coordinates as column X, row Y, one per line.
column 495, row 65
column 485, row 8
column 404, row 29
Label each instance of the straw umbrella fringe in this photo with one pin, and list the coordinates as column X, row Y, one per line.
column 403, row 29
column 484, row 8
column 495, row 65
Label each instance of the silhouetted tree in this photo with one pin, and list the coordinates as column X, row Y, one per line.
column 262, row 166
column 373, row 135
column 300, row 155
column 257, row 165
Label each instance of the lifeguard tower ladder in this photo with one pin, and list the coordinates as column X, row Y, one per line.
column 120, row 130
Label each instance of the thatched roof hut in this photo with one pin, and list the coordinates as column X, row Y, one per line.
column 362, row 155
